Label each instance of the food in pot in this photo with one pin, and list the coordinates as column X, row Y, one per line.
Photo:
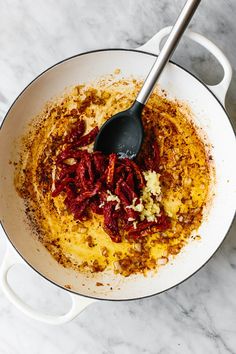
column 95, row 212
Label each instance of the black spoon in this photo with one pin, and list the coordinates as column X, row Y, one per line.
column 123, row 133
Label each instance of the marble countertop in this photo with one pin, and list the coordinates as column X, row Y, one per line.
column 198, row 316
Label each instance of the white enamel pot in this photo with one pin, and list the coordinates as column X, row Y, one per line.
column 207, row 104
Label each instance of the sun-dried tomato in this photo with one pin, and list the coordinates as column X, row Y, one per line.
column 61, row 185
column 111, row 223
column 111, row 170
column 129, row 192
column 88, row 138
column 100, row 162
column 84, row 181
column 88, row 193
column 93, row 177
column 96, row 205
column 66, row 171
column 79, row 210
column 125, row 202
column 76, row 132
column 71, row 191
column 88, row 165
column 120, row 172
column 146, row 228
column 70, row 152
column 130, row 180
column 137, row 172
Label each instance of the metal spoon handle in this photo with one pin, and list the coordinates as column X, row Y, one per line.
column 168, row 49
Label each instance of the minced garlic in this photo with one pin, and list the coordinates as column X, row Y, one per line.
column 153, row 183
column 153, row 188
column 139, row 207
column 149, row 207
column 53, row 177
column 135, row 224
column 113, row 198
column 71, row 161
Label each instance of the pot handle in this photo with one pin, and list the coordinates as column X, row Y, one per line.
column 220, row 90
column 79, row 303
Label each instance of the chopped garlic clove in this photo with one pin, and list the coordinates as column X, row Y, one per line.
column 71, row 161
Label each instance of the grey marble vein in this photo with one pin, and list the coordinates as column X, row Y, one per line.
column 198, row 316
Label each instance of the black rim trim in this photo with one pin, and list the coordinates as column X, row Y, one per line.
column 105, row 50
